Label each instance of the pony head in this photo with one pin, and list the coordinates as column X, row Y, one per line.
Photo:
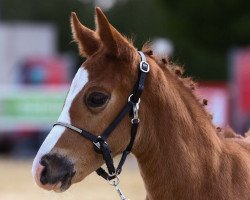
column 98, row 92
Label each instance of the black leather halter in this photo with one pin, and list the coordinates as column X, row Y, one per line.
column 100, row 142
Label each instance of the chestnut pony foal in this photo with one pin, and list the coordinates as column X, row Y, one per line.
column 179, row 152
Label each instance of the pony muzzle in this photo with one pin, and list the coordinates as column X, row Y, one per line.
column 54, row 173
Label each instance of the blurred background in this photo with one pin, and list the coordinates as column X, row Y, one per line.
column 211, row 39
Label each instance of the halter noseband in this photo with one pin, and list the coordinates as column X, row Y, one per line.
column 100, row 142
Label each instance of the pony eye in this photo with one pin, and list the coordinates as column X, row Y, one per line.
column 96, row 99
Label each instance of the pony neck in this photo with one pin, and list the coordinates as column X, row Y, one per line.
column 175, row 135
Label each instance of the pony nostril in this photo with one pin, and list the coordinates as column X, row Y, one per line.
column 45, row 161
column 44, row 178
column 44, row 175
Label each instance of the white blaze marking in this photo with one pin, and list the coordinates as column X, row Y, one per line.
column 80, row 79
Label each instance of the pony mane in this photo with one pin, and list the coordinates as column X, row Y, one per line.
column 177, row 71
column 165, row 63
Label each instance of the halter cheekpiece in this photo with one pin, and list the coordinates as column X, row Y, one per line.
column 100, row 142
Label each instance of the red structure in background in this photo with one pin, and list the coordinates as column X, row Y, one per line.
column 44, row 71
column 242, row 72
column 217, row 94
column 230, row 103
column 240, row 88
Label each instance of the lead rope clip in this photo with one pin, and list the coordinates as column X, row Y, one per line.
column 136, row 107
column 115, row 182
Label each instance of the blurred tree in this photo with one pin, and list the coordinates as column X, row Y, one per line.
column 142, row 20
column 204, row 31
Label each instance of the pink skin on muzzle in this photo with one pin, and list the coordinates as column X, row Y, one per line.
column 56, row 187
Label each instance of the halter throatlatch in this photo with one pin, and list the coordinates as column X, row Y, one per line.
column 100, row 142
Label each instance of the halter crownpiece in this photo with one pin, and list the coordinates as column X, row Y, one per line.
column 100, row 142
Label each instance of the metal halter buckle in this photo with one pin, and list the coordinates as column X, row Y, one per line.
column 144, row 66
column 97, row 143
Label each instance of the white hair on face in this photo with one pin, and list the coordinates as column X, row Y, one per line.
column 79, row 81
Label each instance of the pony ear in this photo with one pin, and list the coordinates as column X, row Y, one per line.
column 112, row 40
column 88, row 41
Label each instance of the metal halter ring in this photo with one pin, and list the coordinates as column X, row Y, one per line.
column 129, row 99
column 112, row 174
column 135, row 121
column 114, row 182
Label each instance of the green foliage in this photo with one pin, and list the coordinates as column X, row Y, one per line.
column 142, row 20
column 204, row 31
